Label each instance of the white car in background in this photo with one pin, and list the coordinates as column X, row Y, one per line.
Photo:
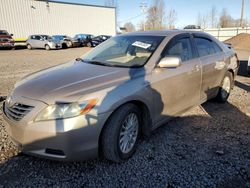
column 42, row 41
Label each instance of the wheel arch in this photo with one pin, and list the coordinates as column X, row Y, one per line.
column 232, row 72
column 146, row 120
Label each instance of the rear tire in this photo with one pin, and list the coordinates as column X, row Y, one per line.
column 29, row 47
column 47, row 47
column 64, row 46
column 121, row 133
column 225, row 89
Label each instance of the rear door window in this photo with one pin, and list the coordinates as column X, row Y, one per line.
column 206, row 46
column 37, row 37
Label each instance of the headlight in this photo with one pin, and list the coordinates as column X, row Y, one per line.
column 65, row 110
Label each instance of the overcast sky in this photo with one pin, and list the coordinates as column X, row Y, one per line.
column 187, row 10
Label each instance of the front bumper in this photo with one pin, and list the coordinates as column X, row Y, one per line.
column 56, row 46
column 6, row 45
column 72, row 139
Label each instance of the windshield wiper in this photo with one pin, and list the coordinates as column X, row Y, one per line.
column 98, row 63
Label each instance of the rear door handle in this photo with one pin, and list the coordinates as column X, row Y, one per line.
column 196, row 68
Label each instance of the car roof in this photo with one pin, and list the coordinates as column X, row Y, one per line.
column 164, row 32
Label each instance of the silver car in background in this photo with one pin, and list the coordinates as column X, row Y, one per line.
column 101, row 103
column 42, row 41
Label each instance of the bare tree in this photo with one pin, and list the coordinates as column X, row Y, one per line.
column 171, row 19
column 199, row 19
column 208, row 19
column 156, row 15
column 203, row 20
column 140, row 26
column 129, row 27
column 225, row 19
column 213, row 17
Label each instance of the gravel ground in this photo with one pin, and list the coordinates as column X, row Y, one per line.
column 15, row 64
column 208, row 146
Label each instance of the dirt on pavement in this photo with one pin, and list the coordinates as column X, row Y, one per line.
column 241, row 41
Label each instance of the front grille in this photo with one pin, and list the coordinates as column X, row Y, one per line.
column 17, row 111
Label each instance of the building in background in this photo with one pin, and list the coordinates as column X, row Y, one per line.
column 25, row 17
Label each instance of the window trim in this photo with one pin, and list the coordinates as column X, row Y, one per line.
column 175, row 39
column 201, row 36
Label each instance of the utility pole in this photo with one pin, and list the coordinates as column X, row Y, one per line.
column 143, row 7
column 242, row 13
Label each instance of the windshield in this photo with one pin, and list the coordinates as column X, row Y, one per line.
column 124, row 51
column 3, row 32
column 57, row 37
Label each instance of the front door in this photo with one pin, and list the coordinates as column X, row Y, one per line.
column 177, row 88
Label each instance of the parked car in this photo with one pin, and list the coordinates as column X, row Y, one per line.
column 192, row 27
column 66, row 41
column 42, row 41
column 6, row 40
column 126, row 87
column 84, row 39
column 99, row 39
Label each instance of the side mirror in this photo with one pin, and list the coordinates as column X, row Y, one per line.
column 169, row 62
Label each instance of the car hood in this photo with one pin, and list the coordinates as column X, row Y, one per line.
column 69, row 82
column 54, row 41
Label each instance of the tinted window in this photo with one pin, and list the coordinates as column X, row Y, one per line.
column 216, row 47
column 82, row 36
column 180, row 48
column 206, row 46
column 37, row 37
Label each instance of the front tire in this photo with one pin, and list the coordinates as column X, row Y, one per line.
column 121, row 133
column 47, row 47
column 89, row 44
column 225, row 89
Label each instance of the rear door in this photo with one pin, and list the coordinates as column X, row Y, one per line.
column 179, row 88
column 36, row 41
column 213, row 65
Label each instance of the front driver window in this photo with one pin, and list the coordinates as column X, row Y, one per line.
column 180, row 48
